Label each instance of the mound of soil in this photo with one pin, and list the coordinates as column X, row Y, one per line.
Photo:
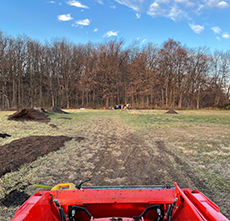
column 26, row 150
column 57, row 110
column 40, row 109
column 14, row 198
column 29, row 114
column 171, row 111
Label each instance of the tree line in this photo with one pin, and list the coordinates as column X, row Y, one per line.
column 61, row 73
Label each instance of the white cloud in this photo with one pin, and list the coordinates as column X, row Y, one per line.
column 226, row 36
column 110, row 33
column 138, row 15
column 187, row 3
column 66, row 17
column 222, row 4
column 216, row 3
column 216, row 30
column 134, row 4
column 77, row 4
column 52, row 2
column 162, row 1
column 212, row 3
column 176, row 14
column 143, row 40
column 84, row 22
column 100, row 2
column 218, row 38
column 196, row 28
column 155, row 10
column 95, row 30
column 113, row 7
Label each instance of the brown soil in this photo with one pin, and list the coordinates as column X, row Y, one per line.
column 66, row 118
column 14, row 198
column 29, row 114
column 171, row 111
column 57, row 110
column 26, row 150
column 53, row 126
column 79, row 139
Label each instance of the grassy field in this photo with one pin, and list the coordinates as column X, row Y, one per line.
column 191, row 148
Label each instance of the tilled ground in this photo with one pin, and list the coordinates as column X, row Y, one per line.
column 110, row 153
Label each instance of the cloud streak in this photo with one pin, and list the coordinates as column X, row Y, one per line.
column 133, row 4
column 110, row 34
column 77, row 4
column 226, row 36
column 84, row 22
column 66, row 17
column 216, row 30
column 197, row 28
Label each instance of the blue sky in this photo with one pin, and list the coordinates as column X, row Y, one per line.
column 194, row 23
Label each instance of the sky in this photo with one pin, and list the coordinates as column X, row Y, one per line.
column 192, row 22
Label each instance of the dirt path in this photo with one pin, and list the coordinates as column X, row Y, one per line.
column 111, row 153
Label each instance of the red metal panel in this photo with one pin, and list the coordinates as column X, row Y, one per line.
column 37, row 208
column 88, row 196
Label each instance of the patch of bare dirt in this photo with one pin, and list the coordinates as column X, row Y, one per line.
column 171, row 111
column 29, row 114
column 65, row 118
column 79, row 139
column 26, row 150
column 53, row 126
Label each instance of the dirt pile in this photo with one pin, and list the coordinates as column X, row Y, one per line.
column 29, row 114
column 40, row 109
column 14, row 198
column 26, row 150
column 57, row 110
column 171, row 111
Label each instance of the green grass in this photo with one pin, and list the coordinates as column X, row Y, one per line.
column 158, row 119
column 217, row 182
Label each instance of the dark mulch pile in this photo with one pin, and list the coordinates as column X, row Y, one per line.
column 171, row 111
column 26, row 150
column 14, row 198
column 30, row 114
column 57, row 110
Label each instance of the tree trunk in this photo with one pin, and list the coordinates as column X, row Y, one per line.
column 107, row 101
column 198, row 99
column 166, row 95
column 180, row 100
column 67, row 97
column 83, row 98
column 147, row 101
column 162, row 98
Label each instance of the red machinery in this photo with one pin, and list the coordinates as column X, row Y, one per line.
column 135, row 203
